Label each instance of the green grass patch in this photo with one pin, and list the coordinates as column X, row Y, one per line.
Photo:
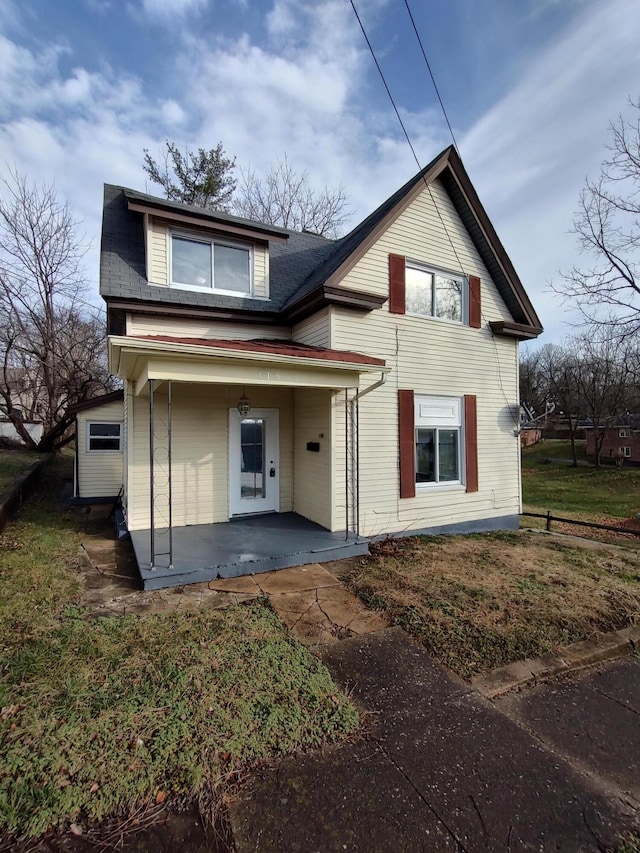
column 100, row 716
column 553, row 448
column 13, row 463
column 601, row 492
column 482, row 601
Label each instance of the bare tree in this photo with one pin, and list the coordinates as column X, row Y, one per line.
column 203, row 178
column 51, row 343
column 286, row 198
column 608, row 227
column 605, row 380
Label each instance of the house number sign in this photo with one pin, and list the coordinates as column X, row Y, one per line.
column 269, row 375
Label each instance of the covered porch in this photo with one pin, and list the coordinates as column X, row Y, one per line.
column 242, row 546
column 241, row 455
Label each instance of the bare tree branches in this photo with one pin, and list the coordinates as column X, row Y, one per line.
column 51, row 342
column 607, row 224
column 594, row 375
column 203, row 178
column 285, row 197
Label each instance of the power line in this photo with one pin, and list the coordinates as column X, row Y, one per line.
column 424, row 179
column 393, row 103
column 433, row 80
column 408, row 138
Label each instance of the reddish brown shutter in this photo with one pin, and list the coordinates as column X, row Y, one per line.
column 475, row 316
column 407, row 445
column 471, row 441
column 396, row 284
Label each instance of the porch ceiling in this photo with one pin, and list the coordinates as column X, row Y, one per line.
column 237, row 362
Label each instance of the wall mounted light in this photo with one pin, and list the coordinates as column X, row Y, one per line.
column 244, row 405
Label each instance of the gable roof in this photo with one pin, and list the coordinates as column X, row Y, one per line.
column 304, row 269
column 448, row 167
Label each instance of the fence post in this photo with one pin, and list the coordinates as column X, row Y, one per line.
column 549, row 520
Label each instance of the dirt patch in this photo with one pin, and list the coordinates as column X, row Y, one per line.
column 482, row 601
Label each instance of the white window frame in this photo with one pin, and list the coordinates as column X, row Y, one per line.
column 454, row 420
column 624, row 432
column 626, row 452
column 90, row 449
column 212, row 242
column 433, row 271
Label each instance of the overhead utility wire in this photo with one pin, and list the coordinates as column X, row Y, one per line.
column 433, row 79
column 424, row 179
column 408, row 138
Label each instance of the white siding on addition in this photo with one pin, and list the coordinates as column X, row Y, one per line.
column 100, row 472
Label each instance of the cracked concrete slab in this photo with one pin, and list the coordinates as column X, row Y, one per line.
column 298, row 579
column 444, row 770
column 310, row 600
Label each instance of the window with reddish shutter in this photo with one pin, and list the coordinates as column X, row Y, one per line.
column 438, row 442
column 423, row 291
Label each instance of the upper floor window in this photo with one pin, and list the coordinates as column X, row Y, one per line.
column 624, row 432
column 206, row 264
column 434, row 294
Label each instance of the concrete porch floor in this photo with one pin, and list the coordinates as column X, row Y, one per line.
column 243, row 546
column 310, row 599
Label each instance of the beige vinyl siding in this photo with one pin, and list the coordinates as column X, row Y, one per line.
column 142, row 325
column 100, row 472
column 200, row 447
column 312, row 471
column 430, row 356
column 420, row 235
column 157, row 248
column 158, row 262
column 314, row 331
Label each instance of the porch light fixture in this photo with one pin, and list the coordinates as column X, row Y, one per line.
column 244, row 405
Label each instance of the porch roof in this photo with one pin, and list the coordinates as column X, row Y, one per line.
column 246, row 362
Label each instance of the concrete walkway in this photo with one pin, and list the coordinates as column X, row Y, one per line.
column 312, row 602
column 444, row 770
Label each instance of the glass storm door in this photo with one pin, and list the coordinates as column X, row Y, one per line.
column 254, row 481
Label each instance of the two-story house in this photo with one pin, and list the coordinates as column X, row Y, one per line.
column 288, row 397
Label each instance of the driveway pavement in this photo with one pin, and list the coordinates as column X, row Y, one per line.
column 445, row 769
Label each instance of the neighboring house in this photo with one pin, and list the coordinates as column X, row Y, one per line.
column 621, row 441
column 22, row 400
column 287, row 397
column 99, row 461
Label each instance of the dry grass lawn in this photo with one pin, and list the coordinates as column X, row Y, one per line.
column 481, row 601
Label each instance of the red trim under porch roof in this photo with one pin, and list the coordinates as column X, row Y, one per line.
column 273, row 347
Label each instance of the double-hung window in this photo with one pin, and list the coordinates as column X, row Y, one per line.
column 626, row 452
column 203, row 263
column 429, row 293
column 438, row 428
column 624, row 432
column 104, row 436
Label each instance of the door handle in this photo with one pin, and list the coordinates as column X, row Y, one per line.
column 272, row 472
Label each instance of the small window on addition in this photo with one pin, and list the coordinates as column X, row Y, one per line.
column 104, row 436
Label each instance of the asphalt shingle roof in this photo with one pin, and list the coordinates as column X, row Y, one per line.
column 302, row 263
column 122, row 261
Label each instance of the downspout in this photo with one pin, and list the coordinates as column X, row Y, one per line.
column 355, row 419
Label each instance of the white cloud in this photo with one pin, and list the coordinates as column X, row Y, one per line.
column 300, row 91
column 528, row 156
column 170, row 10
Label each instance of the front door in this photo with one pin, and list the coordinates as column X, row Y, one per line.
column 254, row 482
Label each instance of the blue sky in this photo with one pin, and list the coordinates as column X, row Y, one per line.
column 529, row 85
